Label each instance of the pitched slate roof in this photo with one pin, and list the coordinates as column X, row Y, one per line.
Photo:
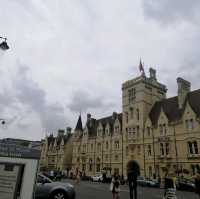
column 171, row 108
column 93, row 123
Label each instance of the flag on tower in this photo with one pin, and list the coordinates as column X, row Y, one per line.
column 141, row 66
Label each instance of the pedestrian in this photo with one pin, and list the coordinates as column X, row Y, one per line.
column 197, row 182
column 132, row 182
column 115, row 186
column 133, row 171
column 78, row 177
column 170, row 187
column 51, row 174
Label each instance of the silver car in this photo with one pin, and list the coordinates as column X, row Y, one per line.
column 47, row 189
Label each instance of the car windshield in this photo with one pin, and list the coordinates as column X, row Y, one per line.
column 41, row 178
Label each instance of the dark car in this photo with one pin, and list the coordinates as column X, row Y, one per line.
column 47, row 189
column 185, row 185
column 141, row 181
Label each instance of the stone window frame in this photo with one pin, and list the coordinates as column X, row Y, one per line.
column 193, row 147
column 131, row 112
column 148, row 131
column 149, row 150
column 189, row 124
column 107, row 145
column 116, row 143
column 131, row 95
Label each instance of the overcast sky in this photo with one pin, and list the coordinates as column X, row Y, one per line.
column 69, row 56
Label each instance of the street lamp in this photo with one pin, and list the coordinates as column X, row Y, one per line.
column 2, row 121
column 3, row 44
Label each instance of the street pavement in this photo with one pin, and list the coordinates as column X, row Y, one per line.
column 95, row 190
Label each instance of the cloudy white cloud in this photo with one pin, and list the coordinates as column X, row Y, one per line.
column 73, row 55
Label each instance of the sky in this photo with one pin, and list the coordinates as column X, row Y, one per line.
column 72, row 56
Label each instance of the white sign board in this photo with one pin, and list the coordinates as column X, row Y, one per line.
column 17, row 174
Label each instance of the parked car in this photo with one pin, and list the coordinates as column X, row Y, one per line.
column 97, row 178
column 47, row 189
column 86, row 178
column 185, row 184
column 146, row 182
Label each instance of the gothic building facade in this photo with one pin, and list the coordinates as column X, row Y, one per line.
column 56, row 151
column 159, row 133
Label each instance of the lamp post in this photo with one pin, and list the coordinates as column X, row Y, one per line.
column 2, row 121
column 3, row 44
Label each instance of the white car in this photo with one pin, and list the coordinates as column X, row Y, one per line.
column 97, row 178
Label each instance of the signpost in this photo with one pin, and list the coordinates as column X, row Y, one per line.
column 18, row 169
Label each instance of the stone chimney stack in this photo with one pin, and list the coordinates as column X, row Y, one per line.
column 152, row 73
column 61, row 132
column 89, row 117
column 183, row 90
column 68, row 130
column 114, row 115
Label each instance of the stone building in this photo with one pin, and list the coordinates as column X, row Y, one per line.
column 56, row 153
column 98, row 146
column 159, row 133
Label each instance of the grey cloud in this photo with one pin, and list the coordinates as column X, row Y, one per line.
column 170, row 11
column 84, row 101
column 31, row 95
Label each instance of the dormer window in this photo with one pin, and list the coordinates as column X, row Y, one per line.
column 117, row 129
column 163, row 129
column 99, row 132
column 189, row 124
column 107, row 132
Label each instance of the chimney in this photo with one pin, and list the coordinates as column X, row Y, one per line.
column 183, row 90
column 68, row 130
column 88, row 116
column 61, row 132
column 114, row 115
column 152, row 73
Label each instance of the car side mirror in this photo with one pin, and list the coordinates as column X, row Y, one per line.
column 44, row 181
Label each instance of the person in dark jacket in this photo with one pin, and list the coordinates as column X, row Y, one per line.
column 197, row 182
column 133, row 171
column 132, row 181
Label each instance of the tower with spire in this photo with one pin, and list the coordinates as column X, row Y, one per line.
column 79, row 127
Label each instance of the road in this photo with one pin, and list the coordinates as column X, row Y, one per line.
column 95, row 190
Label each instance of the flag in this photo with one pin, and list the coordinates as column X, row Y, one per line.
column 141, row 66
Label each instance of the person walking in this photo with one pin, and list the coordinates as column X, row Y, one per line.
column 197, row 182
column 132, row 182
column 133, row 171
column 170, row 186
column 78, row 177
column 115, row 186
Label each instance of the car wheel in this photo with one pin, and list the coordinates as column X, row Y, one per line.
column 58, row 195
